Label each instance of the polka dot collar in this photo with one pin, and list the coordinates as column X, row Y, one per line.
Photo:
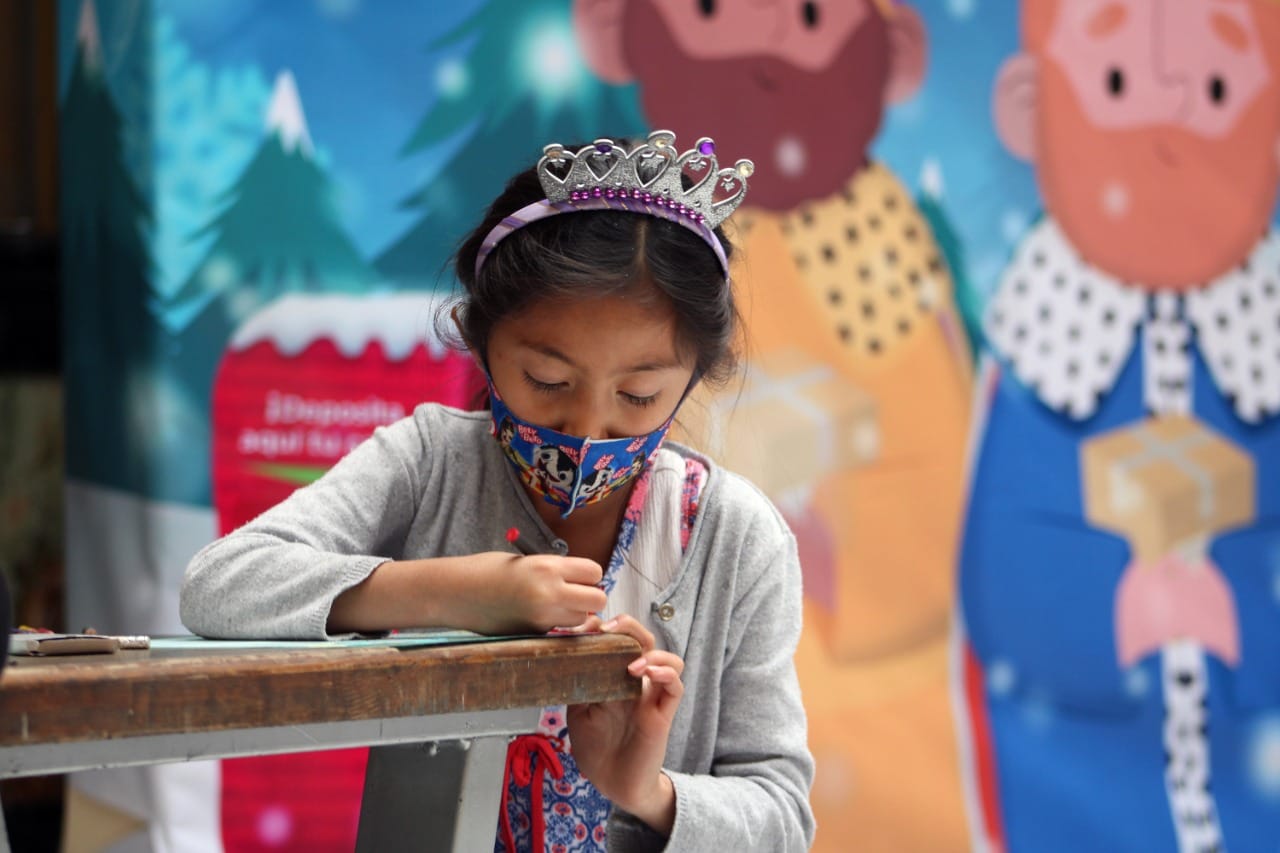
column 1066, row 329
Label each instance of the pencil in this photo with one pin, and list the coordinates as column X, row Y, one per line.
column 521, row 543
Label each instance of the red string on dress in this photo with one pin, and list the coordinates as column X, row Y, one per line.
column 521, row 753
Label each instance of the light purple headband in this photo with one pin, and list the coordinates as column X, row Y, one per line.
column 543, row 209
column 647, row 180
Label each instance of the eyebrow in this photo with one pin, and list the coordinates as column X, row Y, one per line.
column 642, row 367
column 1229, row 30
column 1106, row 20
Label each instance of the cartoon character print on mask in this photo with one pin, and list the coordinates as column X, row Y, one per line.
column 570, row 471
column 505, row 432
column 554, row 470
column 594, row 482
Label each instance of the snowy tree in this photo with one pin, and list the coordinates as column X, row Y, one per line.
column 278, row 232
column 510, row 80
column 110, row 331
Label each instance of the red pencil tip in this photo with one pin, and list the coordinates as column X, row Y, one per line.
column 513, row 533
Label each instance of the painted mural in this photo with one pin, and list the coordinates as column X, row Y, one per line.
column 1120, row 573
column 1012, row 364
column 849, row 298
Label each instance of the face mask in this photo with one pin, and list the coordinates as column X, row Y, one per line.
column 567, row 470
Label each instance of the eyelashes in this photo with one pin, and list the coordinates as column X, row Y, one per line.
column 540, row 386
column 640, row 402
column 552, row 387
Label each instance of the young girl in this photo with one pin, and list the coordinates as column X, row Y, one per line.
column 596, row 297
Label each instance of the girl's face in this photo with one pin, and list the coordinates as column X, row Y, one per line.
column 597, row 368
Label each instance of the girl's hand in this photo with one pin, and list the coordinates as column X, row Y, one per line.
column 620, row 746
column 536, row 593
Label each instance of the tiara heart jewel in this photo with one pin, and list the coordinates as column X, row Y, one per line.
column 651, row 172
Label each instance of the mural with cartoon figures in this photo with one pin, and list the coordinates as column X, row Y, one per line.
column 1069, row 556
column 1121, row 558
column 258, row 202
column 856, row 348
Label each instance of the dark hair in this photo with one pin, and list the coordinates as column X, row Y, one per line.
column 592, row 254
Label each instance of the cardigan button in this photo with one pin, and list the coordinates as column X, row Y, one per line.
column 665, row 612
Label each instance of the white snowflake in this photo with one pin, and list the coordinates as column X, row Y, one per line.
column 338, row 9
column 452, row 78
column 274, row 825
column 1136, row 682
column 1013, row 225
column 1001, row 677
column 1264, row 757
column 1039, row 713
column 164, row 425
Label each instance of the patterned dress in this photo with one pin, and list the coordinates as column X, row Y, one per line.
column 547, row 804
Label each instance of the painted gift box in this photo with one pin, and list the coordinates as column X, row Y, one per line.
column 1165, row 482
column 793, row 422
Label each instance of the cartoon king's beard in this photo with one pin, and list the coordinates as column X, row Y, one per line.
column 806, row 148
column 1156, row 205
column 570, row 471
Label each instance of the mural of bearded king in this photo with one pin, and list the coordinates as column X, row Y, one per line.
column 856, row 405
column 1120, row 574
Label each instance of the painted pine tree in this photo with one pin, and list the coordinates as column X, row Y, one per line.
column 110, row 332
column 513, row 80
column 278, row 233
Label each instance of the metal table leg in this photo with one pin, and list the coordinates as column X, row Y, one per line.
column 433, row 796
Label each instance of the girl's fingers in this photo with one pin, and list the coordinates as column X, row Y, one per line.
column 626, row 624
column 667, row 677
column 591, row 625
column 659, row 657
column 580, row 570
column 656, row 657
column 583, row 599
column 669, row 688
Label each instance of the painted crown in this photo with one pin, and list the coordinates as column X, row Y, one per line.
column 651, row 172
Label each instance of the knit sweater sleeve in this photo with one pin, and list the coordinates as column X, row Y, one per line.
column 277, row 576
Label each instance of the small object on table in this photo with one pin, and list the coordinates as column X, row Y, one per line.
column 28, row 641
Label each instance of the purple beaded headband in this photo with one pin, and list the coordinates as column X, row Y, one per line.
column 647, row 179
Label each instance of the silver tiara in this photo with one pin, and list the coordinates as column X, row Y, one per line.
column 650, row 173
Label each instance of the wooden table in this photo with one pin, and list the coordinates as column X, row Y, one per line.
column 439, row 718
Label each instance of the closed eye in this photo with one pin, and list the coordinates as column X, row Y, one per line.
column 543, row 387
column 639, row 402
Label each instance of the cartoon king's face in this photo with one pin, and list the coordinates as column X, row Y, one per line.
column 718, row 67
column 1154, row 126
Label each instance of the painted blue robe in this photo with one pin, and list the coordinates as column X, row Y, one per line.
column 1075, row 739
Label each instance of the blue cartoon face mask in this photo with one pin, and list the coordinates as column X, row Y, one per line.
column 567, row 470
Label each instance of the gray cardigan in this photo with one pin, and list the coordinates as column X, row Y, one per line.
column 436, row 484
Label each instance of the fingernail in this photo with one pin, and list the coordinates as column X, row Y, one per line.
column 637, row 665
column 610, row 625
